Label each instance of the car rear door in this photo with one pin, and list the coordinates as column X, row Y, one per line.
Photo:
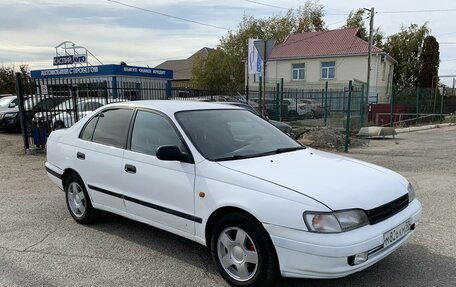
column 98, row 156
column 159, row 192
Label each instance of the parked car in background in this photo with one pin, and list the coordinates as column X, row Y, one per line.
column 9, row 113
column 286, row 128
column 219, row 175
column 296, row 108
column 66, row 115
column 8, row 103
column 317, row 109
column 270, row 107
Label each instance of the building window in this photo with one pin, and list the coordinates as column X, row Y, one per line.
column 298, row 71
column 328, row 70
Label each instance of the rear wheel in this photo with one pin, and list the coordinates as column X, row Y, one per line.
column 243, row 251
column 312, row 114
column 78, row 201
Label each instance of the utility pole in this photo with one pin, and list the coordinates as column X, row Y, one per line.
column 369, row 53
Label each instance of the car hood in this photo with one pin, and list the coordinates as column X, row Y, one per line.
column 6, row 110
column 336, row 181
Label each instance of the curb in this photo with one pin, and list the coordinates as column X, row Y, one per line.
column 423, row 128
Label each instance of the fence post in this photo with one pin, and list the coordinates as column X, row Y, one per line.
column 441, row 108
column 391, row 109
column 22, row 119
column 277, row 111
column 260, row 95
column 281, row 99
column 326, row 103
column 417, row 104
column 347, row 126
column 362, row 107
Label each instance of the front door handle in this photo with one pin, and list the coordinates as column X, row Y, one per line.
column 80, row 155
column 130, row 168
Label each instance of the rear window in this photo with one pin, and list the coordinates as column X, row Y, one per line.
column 112, row 127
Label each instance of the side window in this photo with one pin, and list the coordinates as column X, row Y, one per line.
column 328, row 70
column 150, row 131
column 87, row 133
column 112, row 127
column 298, row 71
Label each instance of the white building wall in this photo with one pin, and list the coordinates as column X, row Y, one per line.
column 347, row 68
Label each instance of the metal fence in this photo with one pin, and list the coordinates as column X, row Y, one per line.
column 60, row 103
column 413, row 106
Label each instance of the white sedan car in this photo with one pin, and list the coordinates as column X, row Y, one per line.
column 225, row 178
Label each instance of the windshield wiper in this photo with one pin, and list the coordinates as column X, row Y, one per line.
column 277, row 151
column 234, row 157
column 288, row 149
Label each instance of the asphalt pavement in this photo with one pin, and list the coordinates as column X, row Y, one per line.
column 41, row 245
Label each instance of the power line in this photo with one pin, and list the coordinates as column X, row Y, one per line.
column 417, row 11
column 167, row 15
column 268, row 5
column 286, row 8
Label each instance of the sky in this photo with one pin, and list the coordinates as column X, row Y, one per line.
column 30, row 29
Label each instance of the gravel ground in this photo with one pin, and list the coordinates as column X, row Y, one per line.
column 40, row 245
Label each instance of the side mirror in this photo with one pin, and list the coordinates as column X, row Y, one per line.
column 12, row 105
column 171, row 153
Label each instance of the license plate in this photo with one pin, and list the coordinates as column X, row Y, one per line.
column 396, row 233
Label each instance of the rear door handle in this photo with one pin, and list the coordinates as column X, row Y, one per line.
column 80, row 155
column 130, row 168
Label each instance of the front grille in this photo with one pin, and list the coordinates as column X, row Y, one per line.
column 385, row 211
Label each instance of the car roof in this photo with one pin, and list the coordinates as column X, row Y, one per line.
column 171, row 106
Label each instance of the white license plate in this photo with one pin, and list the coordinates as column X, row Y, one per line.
column 396, row 233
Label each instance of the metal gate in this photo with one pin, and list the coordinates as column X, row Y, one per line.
column 60, row 103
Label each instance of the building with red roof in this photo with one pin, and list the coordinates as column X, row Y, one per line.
column 312, row 58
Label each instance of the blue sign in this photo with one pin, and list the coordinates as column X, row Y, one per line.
column 104, row 70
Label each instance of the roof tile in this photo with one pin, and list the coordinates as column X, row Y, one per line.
column 324, row 43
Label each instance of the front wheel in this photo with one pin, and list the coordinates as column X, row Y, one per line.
column 243, row 251
column 78, row 201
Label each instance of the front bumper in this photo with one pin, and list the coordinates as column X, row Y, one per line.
column 9, row 123
column 314, row 255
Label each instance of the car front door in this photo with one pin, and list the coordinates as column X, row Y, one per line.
column 98, row 157
column 159, row 192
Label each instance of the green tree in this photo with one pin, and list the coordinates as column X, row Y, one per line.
column 8, row 79
column 217, row 71
column 429, row 62
column 405, row 47
column 310, row 17
column 357, row 19
column 235, row 44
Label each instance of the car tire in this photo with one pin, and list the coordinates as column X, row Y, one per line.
column 312, row 114
column 78, row 201
column 243, row 251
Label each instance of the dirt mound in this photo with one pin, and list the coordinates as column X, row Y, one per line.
column 325, row 138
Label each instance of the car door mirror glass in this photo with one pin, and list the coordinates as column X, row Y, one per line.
column 171, row 153
column 12, row 105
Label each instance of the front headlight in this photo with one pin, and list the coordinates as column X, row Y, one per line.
column 10, row 115
column 411, row 192
column 334, row 222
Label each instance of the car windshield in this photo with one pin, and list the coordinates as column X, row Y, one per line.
column 4, row 102
column 233, row 134
column 64, row 106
